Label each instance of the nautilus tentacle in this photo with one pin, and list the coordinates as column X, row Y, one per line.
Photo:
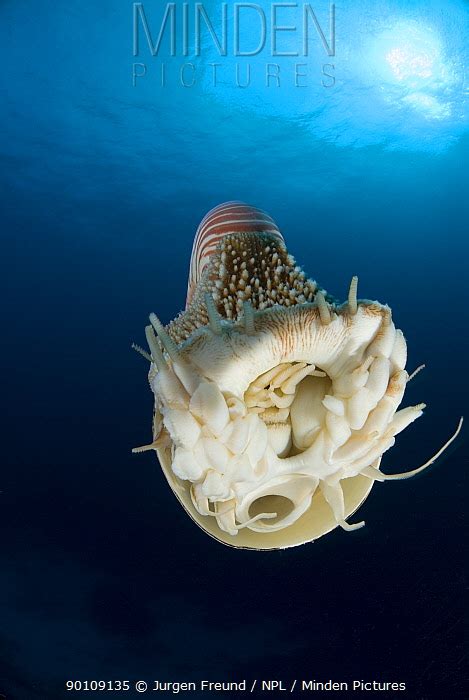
column 274, row 404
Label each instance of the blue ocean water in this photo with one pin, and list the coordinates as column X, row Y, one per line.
column 102, row 187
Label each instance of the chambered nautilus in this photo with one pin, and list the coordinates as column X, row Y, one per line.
column 273, row 403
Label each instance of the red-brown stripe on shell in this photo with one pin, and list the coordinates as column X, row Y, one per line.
column 228, row 218
column 273, row 404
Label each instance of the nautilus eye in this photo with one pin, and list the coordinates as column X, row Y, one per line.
column 273, row 402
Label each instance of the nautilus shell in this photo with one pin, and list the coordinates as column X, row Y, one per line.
column 273, row 403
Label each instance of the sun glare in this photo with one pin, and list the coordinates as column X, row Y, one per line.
column 413, row 68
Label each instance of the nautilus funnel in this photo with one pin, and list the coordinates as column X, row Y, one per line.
column 274, row 403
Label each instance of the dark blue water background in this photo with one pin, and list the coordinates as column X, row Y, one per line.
column 102, row 187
